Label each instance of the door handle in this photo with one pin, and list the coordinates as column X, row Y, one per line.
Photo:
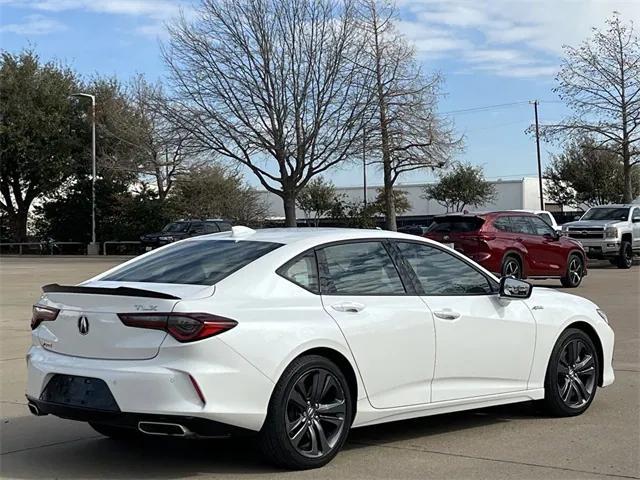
column 447, row 315
column 348, row 307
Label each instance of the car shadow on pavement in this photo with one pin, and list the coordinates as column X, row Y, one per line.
column 93, row 457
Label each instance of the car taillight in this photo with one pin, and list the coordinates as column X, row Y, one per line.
column 42, row 314
column 184, row 327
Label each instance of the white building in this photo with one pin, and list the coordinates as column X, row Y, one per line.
column 510, row 194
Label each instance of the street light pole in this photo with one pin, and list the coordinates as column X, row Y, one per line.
column 93, row 248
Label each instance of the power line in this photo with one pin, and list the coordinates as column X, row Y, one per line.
column 494, row 107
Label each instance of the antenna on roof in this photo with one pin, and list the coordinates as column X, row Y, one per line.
column 241, row 231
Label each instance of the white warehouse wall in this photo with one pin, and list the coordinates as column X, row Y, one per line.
column 511, row 194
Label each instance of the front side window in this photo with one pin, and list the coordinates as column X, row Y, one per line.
column 302, row 271
column 210, row 227
column 503, row 224
column 441, row 273
column 541, row 227
column 361, row 268
column 636, row 214
column 522, row 225
column 203, row 262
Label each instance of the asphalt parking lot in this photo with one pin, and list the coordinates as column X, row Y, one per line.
column 502, row 442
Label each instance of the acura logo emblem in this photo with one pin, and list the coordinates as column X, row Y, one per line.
column 83, row 325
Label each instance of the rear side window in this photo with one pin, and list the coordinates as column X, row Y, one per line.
column 210, row 227
column 362, row 268
column 224, row 226
column 456, row 224
column 302, row 271
column 194, row 262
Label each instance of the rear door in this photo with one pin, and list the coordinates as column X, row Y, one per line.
column 483, row 346
column 548, row 251
column 524, row 234
column 389, row 331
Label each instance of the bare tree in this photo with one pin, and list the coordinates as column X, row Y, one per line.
column 275, row 85
column 165, row 149
column 600, row 82
column 406, row 134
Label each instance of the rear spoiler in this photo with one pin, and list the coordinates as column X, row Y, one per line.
column 120, row 291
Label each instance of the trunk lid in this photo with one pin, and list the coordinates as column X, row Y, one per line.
column 88, row 326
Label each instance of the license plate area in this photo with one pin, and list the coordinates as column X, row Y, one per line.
column 80, row 392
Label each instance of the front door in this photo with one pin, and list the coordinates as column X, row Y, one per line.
column 390, row 333
column 484, row 346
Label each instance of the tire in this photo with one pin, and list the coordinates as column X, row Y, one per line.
column 625, row 260
column 114, row 432
column 306, row 426
column 511, row 266
column 575, row 271
column 570, row 394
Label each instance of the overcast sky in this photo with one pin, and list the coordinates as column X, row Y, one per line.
column 490, row 52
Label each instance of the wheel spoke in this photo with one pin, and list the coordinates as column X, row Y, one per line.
column 571, row 352
column 580, row 390
column 297, row 398
column 586, row 364
column 337, row 420
column 565, row 392
column 322, row 437
column 334, row 408
column 563, row 369
column 317, row 385
column 297, row 437
column 314, row 441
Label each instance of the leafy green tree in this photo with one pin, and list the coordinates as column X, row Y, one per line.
column 38, row 147
column 463, row 186
column 585, row 174
column 400, row 201
column 217, row 191
column 317, row 199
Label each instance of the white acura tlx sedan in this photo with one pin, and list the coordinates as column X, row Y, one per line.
column 299, row 335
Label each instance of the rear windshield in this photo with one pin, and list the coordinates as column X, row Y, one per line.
column 455, row 224
column 203, row 262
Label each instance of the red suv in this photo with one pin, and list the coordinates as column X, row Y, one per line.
column 513, row 243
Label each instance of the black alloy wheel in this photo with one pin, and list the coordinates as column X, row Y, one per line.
column 572, row 374
column 511, row 268
column 310, row 414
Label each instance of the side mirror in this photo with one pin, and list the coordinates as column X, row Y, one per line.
column 513, row 288
column 552, row 236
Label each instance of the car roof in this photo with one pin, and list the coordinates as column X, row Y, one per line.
column 289, row 236
column 616, row 205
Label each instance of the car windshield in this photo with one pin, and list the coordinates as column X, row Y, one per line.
column 204, row 262
column 607, row 214
column 455, row 224
column 176, row 227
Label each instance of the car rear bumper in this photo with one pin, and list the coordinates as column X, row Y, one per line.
column 235, row 393
column 194, row 426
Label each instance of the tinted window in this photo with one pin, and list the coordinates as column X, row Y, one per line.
column 636, row 214
column 194, row 262
column 456, row 224
column 606, row 214
column 522, row 225
column 197, row 227
column 503, row 224
column 210, row 227
column 546, row 217
column 224, row 226
column 362, row 268
column 541, row 227
column 441, row 273
column 302, row 271
column 176, row 227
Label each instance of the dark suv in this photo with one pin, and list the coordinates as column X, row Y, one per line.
column 183, row 229
column 513, row 243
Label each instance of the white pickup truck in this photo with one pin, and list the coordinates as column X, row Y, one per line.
column 609, row 232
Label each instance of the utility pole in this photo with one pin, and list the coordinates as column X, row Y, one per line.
column 535, row 109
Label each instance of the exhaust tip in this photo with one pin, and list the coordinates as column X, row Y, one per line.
column 161, row 428
column 33, row 408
